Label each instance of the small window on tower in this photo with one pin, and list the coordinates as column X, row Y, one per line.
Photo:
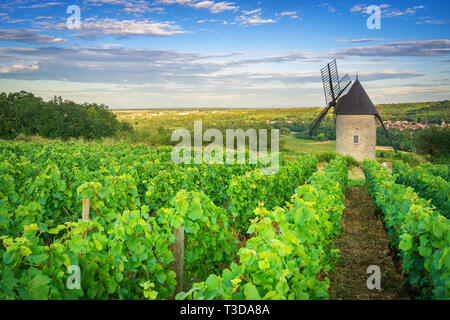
column 355, row 139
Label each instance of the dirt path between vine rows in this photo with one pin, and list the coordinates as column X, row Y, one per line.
column 363, row 242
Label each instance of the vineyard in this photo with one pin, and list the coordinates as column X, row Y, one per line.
column 246, row 235
column 417, row 229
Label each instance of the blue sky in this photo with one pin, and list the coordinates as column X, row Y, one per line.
column 214, row 53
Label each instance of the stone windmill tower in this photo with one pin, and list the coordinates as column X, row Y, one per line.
column 356, row 115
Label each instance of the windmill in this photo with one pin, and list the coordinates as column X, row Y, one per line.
column 356, row 115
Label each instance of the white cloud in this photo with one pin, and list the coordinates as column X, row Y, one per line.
column 126, row 77
column 130, row 6
column 358, row 8
column 253, row 20
column 28, row 36
column 114, row 2
column 125, row 28
column 383, row 74
column 424, row 48
column 110, row 64
column 328, row 6
column 44, row 17
column 212, row 6
column 19, row 67
column 41, row 5
column 387, row 11
column 363, row 8
column 288, row 13
column 223, row 6
column 245, row 12
column 433, row 21
column 113, row 64
column 358, row 40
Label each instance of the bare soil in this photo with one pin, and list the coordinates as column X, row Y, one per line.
column 363, row 242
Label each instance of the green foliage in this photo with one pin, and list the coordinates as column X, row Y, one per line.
column 124, row 251
column 209, row 243
column 23, row 113
column 434, row 142
column 294, row 120
column 351, row 162
column 432, row 112
column 325, row 156
column 328, row 156
column 216, row 178
column 165, row 185
column 131, row 261
column 392, row 155
column 248, row 191
column 439, row 159
column 290, row 252
column 427, row 185
column 212, row 179
column 442, row 171
column 419, row 232
column 403, row 139
column 326, row 130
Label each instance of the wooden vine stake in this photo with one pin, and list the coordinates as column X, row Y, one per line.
column 178, row 253
column 85, row 215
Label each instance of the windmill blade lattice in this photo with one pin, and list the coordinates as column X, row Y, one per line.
column 344, row 84
column 330, row 80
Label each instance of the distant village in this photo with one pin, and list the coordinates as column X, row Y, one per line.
column 407, row 125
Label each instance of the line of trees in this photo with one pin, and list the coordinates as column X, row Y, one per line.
column 23, row 113
column 404, row 140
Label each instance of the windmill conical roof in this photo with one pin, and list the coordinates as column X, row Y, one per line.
column 356, row 101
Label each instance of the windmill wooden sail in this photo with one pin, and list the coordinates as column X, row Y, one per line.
column 332, row 90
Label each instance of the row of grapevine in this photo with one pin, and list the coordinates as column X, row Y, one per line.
column 419, row 232
column 213, row 180
column 138, row 197
column 41, row 197
column 248, row 191
column 442, row 170
column 45, row 183
column 290, row 252
column 124, row 251
column 427, row 185
column 129, row 262
column 209, row 244
column 130, row 258
column 41, row 181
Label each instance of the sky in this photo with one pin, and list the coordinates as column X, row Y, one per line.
column 219, row 53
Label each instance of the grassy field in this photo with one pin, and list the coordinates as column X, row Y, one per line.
column 293, row 144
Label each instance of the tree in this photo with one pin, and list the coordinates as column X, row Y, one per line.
column 434, row 141
column 7, row 118
column 23, row 113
